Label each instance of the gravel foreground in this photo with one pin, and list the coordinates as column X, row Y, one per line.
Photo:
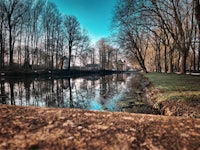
column 53, row 128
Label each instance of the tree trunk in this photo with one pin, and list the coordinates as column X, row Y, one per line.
column 194, row 60
column 197, row 15
column 183, row 62
column 158, row 64
column 170, row 62
column 62, row 63
column 2, row 49
column 165, row 57
column 141, row 63
column 10, row 47
column 69, row 60
column 198, row 59
column 52, row 62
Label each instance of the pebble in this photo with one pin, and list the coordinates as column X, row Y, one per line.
column 80, row 127
column 70, row 138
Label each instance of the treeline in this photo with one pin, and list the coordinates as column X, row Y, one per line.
column 34, row 34
column 160, row 35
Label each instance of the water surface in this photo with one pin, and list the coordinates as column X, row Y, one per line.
column 119, row 92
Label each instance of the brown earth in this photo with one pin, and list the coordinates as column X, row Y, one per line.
column 181, row 108
column 172, row 107
column 51, row 128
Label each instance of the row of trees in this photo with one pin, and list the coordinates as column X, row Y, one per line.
column 160, row 35
column 109, row 55
column 34, row 33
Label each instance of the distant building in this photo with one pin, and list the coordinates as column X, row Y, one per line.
column 120, row 65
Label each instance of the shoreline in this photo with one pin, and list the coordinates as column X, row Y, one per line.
column 172, row 107
column 56, row 73
column 150, row 92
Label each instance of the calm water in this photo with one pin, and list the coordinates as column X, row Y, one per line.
column 121, row 92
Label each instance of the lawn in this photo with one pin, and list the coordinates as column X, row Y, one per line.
column 175, row 87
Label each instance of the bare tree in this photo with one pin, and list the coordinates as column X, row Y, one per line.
column 36, row 13
column 101, row 44
column 14, row 10
column 84, row 49
column 197, row 15
column 176, row 18
column 73, row 34
column 34, row 32
column 127, row 20
column 2, row 36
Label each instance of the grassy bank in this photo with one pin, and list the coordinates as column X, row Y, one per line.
column 176, row 94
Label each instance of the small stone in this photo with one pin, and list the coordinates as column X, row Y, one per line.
column 70, row 138
column 50, row 122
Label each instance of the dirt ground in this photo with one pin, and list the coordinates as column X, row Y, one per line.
column 172, row 107
column 51, row 128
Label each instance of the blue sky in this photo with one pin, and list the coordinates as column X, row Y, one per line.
column 94, row 15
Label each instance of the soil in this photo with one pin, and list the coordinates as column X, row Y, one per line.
column 190, row 108
column 51, row 128
column 181, row 108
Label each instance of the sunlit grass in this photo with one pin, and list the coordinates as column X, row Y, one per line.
column 176, row 87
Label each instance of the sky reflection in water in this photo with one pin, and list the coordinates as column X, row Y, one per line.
column 92, row 93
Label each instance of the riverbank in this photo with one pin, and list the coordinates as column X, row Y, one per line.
column 56, row 73
column 51, row 128
column 174, row 94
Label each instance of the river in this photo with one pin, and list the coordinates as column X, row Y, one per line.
column 117, row 92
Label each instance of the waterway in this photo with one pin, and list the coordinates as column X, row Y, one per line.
column 117, row 92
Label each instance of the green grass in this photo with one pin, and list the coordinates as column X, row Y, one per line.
column 175, row 82
column 176, row 87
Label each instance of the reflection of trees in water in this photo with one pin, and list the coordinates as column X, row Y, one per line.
column 83, row 92
column 36, row 93
column 59, row 92
column 109, row 86
column 12, row 93
column 3, row 95
column 74, row 93
column 27, row 86
column 54, row 94
column 70, row 94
